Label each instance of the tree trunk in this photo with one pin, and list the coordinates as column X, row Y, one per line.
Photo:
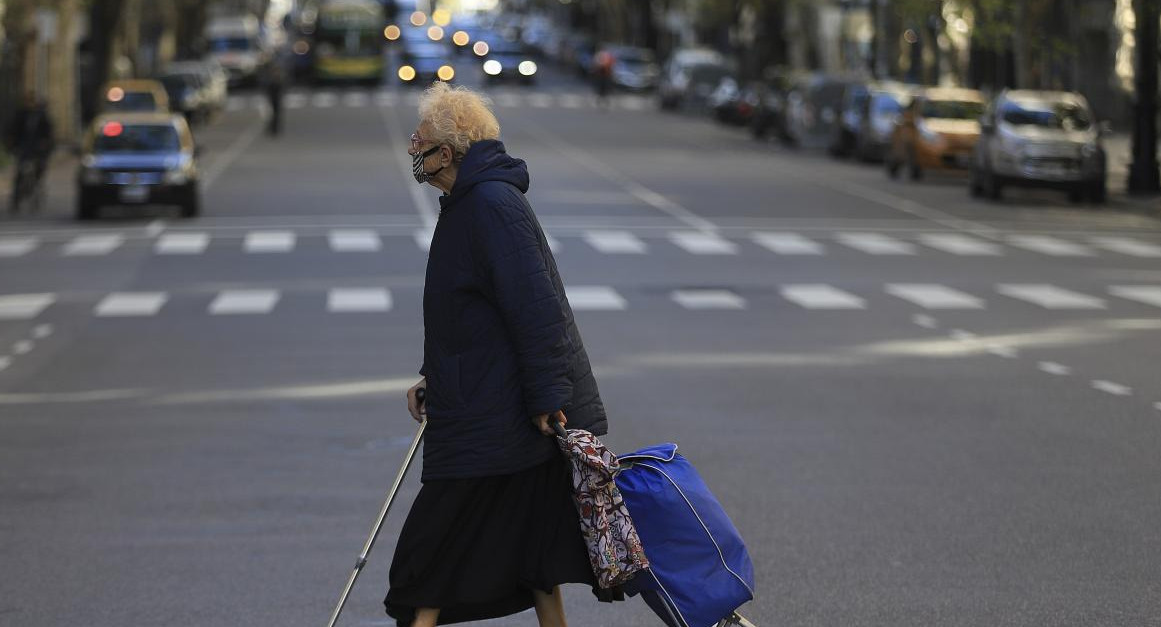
column 1144, row 177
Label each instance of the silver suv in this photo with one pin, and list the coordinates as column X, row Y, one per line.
column 1040, row 139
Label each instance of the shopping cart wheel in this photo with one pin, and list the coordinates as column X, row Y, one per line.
column 736, row 620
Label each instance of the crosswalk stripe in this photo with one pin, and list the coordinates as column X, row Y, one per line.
column 1049, row 245
column 817, row 296
column 594, row 298
column 957, row 244
column 507, row 100
column 182, row 243
column 244, row 302
column 633, row 103
column 324, row 99
column 123, row 304
column 269, row 242
column 788, row 244
column 90, row 245
column 1148, row 294
column 17, row 246
column 24, row 306
column 703, row 243
column 423, row 239
column 540, row 101
column 708, row 299
column 295, row 101
column 876, row 244
column 571, row 101
column 615, row 242
column 352, row 300
column 355, row 241
column 932, row 296
column 356, row 99
column 1050, row 296
column 1127, row 246
column 386, row 99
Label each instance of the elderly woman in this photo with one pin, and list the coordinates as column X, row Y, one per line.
column 493, row 530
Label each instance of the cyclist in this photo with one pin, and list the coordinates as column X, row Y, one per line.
column 30, row 139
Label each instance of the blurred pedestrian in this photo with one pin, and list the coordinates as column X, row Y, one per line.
column 29, row 138
column 603, row 76
column 274, row 80
column 494, row 530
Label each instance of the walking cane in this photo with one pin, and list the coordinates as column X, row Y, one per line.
column 362, row 561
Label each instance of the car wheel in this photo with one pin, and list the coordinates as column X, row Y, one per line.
column 191, row 206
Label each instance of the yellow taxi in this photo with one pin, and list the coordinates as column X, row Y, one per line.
column 937, row 131
column 131, row 95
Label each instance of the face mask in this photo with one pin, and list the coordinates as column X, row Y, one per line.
column 422, row 177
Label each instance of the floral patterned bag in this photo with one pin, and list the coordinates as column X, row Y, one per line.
column 614, row 548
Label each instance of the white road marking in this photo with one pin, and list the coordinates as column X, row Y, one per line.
column 355, row 241
column 1049, row 245
column 1006, row 352
column 5, row 362
column 324, row 100
column 1127, row 246
column 244, row 302
column 540, row 101
column 615, row 242
column 155, row 228
column 788, row 244
column 24, row 306
column 571, row 101
column 594, row 298
column 349, row 300
column 296, row 100
column 1157, row 406
column 182, row 244
column 121, row 304
column 356, row 99
column 1116, row 389
column 876, row 244
column 386, row 99
column 632, row 103
column 507, row 100
column 17, row 246
column 1050, row 296
column 23, row 347
column 423, row 239
column 224, row 160
column 269, row 242
column 817, row 296
column 1148, row 294
column 962, row 336
column 708, row 299
column 958, row 244
column 42, row 331
column 925, row 321
column 91, row 245
column 703, row 243
column 932, row 296
column 1052, row 367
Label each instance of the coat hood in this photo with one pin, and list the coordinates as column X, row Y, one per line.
column 486, row 160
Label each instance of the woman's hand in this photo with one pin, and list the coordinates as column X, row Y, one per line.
column 541, row 421
column 417, row 410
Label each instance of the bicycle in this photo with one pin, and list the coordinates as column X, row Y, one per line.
column 28, row 186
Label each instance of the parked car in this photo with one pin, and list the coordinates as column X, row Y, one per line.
column 634, row 69
column 237, row 43
column 735, row 104
column 124, row 96
column 880, row 113
column 812, row 110
column 845, row 133
column 215, row 88
column 424, row 62
column 690, row 77
column 769, row 115
column 137, row 159
column 937, row 131
column 1044, row 139
column 186, row 94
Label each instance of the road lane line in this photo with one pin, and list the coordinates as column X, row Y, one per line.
column 1049, row 245
column 958, row 244
column 182, row 244
column 703, row 243
column 92, row 245
column 1148, row 294
column 1050, row 296
column 17, row 246
column 354, row 300
column 355, row 241
column 1052, row 367
column 932, row 296
column 708, row 299
column 1127, row 246
column 123, row 304
column 1116, row 389
column 615, row 242
column 925, row 321
column 24, row 306
column 269, row 242
column 594, row 298
column 788, row 244
column 818, row 296
column 231, row 153
column 356, row 99
column 324, row 100
column 232, row 302
column 540, row 101
column 875, row 244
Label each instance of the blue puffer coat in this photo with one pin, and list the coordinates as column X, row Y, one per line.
column 500, row 343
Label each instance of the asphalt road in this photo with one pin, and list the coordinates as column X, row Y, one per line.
column 918, row 408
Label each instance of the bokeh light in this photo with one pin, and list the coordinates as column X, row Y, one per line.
column 480, row 48
column 441, row 17
column 446, row 73
column 435, row 33
column 418, row 18
column 116, row 94
column 392, row 32
column 406, row 73
column 301, row 47
column 461, row 38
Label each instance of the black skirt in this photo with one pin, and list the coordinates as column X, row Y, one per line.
column 477, row 548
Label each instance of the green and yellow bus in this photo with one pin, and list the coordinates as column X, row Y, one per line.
column 349, row 41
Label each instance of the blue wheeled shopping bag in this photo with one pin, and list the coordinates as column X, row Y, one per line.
column 700, row 571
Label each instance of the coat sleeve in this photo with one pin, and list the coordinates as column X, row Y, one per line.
column 509, row 250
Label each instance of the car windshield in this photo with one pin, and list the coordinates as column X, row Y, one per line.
column 953, row 109
column 115, row 137
column 230, row 44
column 1059, row 115
column 133, row 101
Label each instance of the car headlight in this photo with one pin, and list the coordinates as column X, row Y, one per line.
column 527, row 68
column 406, row 73
column 492, row 67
